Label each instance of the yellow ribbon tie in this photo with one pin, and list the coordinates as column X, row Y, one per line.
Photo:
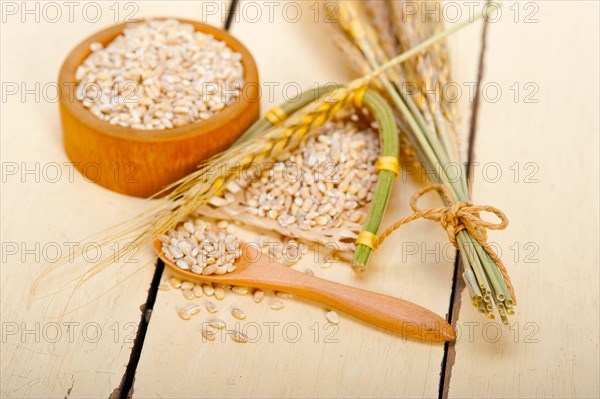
column 358, row 97
column 390, row 164
column 368, row 239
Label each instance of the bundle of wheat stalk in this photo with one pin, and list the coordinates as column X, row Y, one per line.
column 370, row 33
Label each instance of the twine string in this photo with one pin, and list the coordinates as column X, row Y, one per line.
column 454, row 218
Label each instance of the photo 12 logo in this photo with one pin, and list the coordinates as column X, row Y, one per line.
column 67, row 331
column 65, row 172
column 54, row 12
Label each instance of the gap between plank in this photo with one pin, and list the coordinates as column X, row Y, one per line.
column 125, row 389
column 458, row 284
column 231, row 13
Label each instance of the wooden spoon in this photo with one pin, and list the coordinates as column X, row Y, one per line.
column 255, row 270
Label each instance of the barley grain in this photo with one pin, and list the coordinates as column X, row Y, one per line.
column 239, row 337
column 276, row 304
column 182, row 265
column 239, row 290
column 211, row 307
column 164, row 287
column 197, row 290
column 208, row 334
column 219, row 292
column 258, row 295
column 222, row 224
column 184, row 315
column 175, row 282
column 238, row 313
column 216, row 323
column 332, row 317
column 231, row 268
column 208, row 270
column 175, row 252
column 208, row 289
column 193, row 309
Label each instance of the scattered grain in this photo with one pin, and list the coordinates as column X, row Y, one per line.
column 164, row 287
column 216, row 323
column 238, row 313
column 239, row 337
column 332, row 317
column 175, row 282
column 239, row 290
column 197, row 290
column 276, row 304
column 184, row 315
column 208, row 334
column 208, row 289
column 211, row 307
column 258, row 295
column 219, row 292
column 193, row 309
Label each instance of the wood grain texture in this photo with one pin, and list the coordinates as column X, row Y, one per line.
column 51, row 207
column 150, row 159
column 545, row 144
column 354, row 360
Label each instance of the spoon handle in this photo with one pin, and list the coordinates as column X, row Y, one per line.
column 385, row 311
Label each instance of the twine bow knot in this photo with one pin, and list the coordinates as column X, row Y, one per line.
column 455, row 217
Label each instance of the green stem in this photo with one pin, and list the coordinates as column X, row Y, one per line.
column 389, row 147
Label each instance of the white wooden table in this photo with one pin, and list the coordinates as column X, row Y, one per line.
column 537, row 151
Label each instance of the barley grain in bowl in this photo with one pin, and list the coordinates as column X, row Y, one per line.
column 159, row 74
column 153, row 99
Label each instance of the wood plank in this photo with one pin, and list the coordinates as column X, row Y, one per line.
column 362, row 360
column 44, row 212
column 551, row 245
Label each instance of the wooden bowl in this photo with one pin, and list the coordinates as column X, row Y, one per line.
column 141, row 162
